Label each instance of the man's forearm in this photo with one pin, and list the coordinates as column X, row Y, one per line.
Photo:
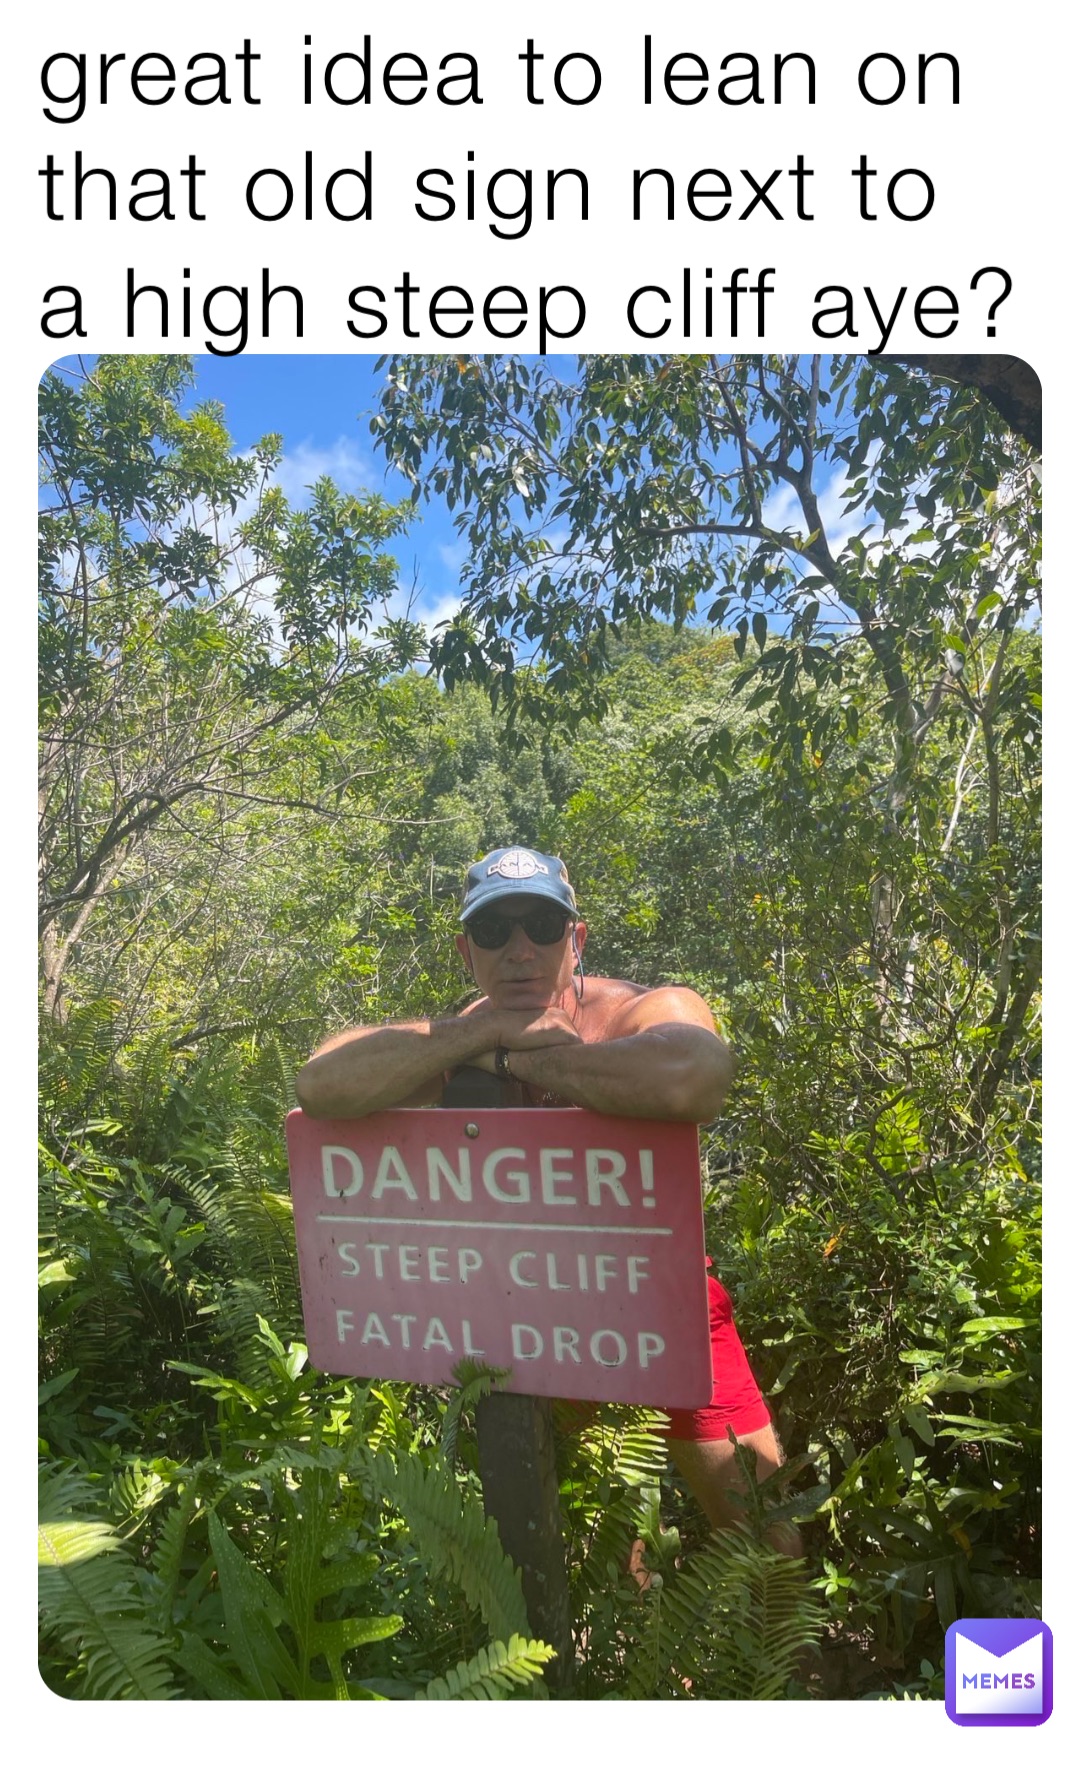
column 672, row 1071
column 369, row 1068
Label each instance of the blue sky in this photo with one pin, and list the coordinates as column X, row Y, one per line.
column 321, row 406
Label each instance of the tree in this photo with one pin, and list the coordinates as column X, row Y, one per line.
column 668, row 486
column 187, row 618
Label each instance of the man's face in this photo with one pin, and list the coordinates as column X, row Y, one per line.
column 523, row 973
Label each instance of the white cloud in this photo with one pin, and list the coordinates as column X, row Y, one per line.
column 781, row 511
column 443, row 609
column 416, row 604
column 453, row 554
column 349, row 468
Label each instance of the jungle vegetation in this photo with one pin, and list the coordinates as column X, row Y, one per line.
column 754, row 644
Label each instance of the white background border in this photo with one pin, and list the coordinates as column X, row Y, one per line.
column 1002, row 164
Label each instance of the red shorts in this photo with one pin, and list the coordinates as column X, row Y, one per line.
column 736, row 1400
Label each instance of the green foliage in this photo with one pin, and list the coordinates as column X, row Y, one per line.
column 492, row 1671
column 456, row 1540
column 96, row 1641
column 472, row 1379
column 607, row 1471
column 731, row 1625
column 255, row 1662
column 177, row 692
column 728, row 1619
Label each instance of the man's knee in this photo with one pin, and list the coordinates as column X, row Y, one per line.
column 768, row 1452
column 715, row 1474
column 717, row 1478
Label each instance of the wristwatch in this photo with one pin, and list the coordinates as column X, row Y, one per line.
column 502, row 1065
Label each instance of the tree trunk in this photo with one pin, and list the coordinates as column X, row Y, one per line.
column 1010, row 385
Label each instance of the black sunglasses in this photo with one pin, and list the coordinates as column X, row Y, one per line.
column 544, row 926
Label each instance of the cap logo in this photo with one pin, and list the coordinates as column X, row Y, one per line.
column 517, row 864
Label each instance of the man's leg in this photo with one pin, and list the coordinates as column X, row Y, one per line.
column 700, row 1438
column 715, row 1478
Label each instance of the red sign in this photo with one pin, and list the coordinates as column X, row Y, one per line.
column 563, row 1244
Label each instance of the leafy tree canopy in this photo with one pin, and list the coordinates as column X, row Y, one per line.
column 187, row 615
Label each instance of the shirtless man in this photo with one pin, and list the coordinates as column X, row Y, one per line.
column 603, row 1043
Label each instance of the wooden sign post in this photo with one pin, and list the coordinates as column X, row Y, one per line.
column 564, row 1245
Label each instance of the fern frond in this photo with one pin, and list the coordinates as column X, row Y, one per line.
column 249, row 1657
column 606, row 1547
column 603, row 1472
column 62, row 1489
column 493, row 1672
column 77, row 1060
column 474, row 1380
column 392, row 1427
column 731, row 1622
column 64, row 1541
column 136, row 1491
column 91, row 1608
column 169, row 1552
column 454, row 1537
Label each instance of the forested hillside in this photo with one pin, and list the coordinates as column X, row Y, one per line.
column 816, row 802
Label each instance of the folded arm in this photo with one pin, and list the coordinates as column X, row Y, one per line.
column 365, row 1069
column 403, row 1063
column 662, row 1059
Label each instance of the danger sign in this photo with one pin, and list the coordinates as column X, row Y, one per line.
column 565, row 1245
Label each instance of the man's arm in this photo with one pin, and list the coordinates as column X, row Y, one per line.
column 662, row 1059
column 365, row 1069
column 402, row 1064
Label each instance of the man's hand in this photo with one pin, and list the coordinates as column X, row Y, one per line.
column 524, row 1030
column 660, row 1059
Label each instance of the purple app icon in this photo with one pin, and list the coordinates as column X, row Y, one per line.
column 999, row 1672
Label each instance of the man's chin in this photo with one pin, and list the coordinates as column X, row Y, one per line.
column 530, row 993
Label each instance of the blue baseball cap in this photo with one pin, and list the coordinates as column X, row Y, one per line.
column 516, row 873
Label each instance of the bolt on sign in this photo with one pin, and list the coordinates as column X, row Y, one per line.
column 565, row 1245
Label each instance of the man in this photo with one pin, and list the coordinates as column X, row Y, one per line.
column 556, row 1039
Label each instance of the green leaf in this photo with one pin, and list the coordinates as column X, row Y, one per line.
column 335, row 1639
column 920, row 1422
column 982, row 1327
column 493, row 1672
column 354, row 1570
column 64, row 1541
column 959, row 1383
column 54, row 1385
column 208, row 1672
column 253, row 1609
column 55, row 1273
column 945, row 1594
